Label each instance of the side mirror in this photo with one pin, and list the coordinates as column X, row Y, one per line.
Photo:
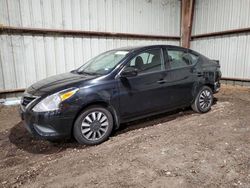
column 129, row 72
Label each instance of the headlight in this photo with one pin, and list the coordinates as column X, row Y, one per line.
column 52, row 102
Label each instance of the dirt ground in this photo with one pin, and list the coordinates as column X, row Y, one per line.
column 178, row 149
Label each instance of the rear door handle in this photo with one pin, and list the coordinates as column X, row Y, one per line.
column 199, row 74
column 161, row 81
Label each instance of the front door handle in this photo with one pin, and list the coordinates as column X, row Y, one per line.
column 161, row 81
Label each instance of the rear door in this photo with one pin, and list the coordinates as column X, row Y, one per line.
column 180, row 77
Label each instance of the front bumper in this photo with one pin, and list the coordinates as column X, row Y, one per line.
column 47, row 125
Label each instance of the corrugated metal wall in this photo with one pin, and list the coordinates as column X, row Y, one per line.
column 220, row 15
column 25, row 59
column 233, row 51
column 128, row 16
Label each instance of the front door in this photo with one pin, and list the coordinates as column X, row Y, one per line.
column 143, row 94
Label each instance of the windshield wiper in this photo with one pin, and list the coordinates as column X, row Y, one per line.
column 88, row 73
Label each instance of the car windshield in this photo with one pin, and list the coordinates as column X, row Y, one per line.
column 103, row 63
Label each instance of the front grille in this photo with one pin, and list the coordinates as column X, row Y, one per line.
column 27, row 100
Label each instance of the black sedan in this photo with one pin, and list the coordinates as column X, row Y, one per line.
column 118, row 86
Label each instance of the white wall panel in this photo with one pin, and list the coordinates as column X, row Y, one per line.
column 128, row 16
column 7, row 60
column 232, row 51
column 18, row 55
column 220, row 15
column 29, row 60
column 4, row 15
column 59, row 54
column 1, row 74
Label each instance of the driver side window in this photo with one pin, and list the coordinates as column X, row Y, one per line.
column 148, row 61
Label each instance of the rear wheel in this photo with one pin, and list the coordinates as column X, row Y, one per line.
column 93, row 126
column 203, row 100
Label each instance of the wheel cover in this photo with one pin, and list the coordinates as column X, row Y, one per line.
column 94, row 125
column 205, row 99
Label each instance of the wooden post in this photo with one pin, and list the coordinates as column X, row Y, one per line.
column 187, row 11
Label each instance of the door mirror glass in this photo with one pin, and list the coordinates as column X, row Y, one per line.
column 129, row 72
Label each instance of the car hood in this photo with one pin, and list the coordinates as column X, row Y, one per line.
column 56, row 83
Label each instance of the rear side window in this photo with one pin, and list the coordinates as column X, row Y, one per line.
column 194, row 58
column 179, row 59
column 148, row 61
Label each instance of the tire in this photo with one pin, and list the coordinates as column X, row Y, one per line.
column 93, row 126
column 203, row 100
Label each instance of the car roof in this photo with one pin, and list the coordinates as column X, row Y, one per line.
column 135, row 48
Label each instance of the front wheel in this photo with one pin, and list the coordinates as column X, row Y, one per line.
column 93, row 126
column 203, row 100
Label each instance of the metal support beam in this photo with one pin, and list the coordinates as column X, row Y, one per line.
column 187, row 11
column 42, row 31
column 8, row 91
column 222, row 33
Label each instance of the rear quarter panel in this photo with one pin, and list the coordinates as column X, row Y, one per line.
column 211, row 73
